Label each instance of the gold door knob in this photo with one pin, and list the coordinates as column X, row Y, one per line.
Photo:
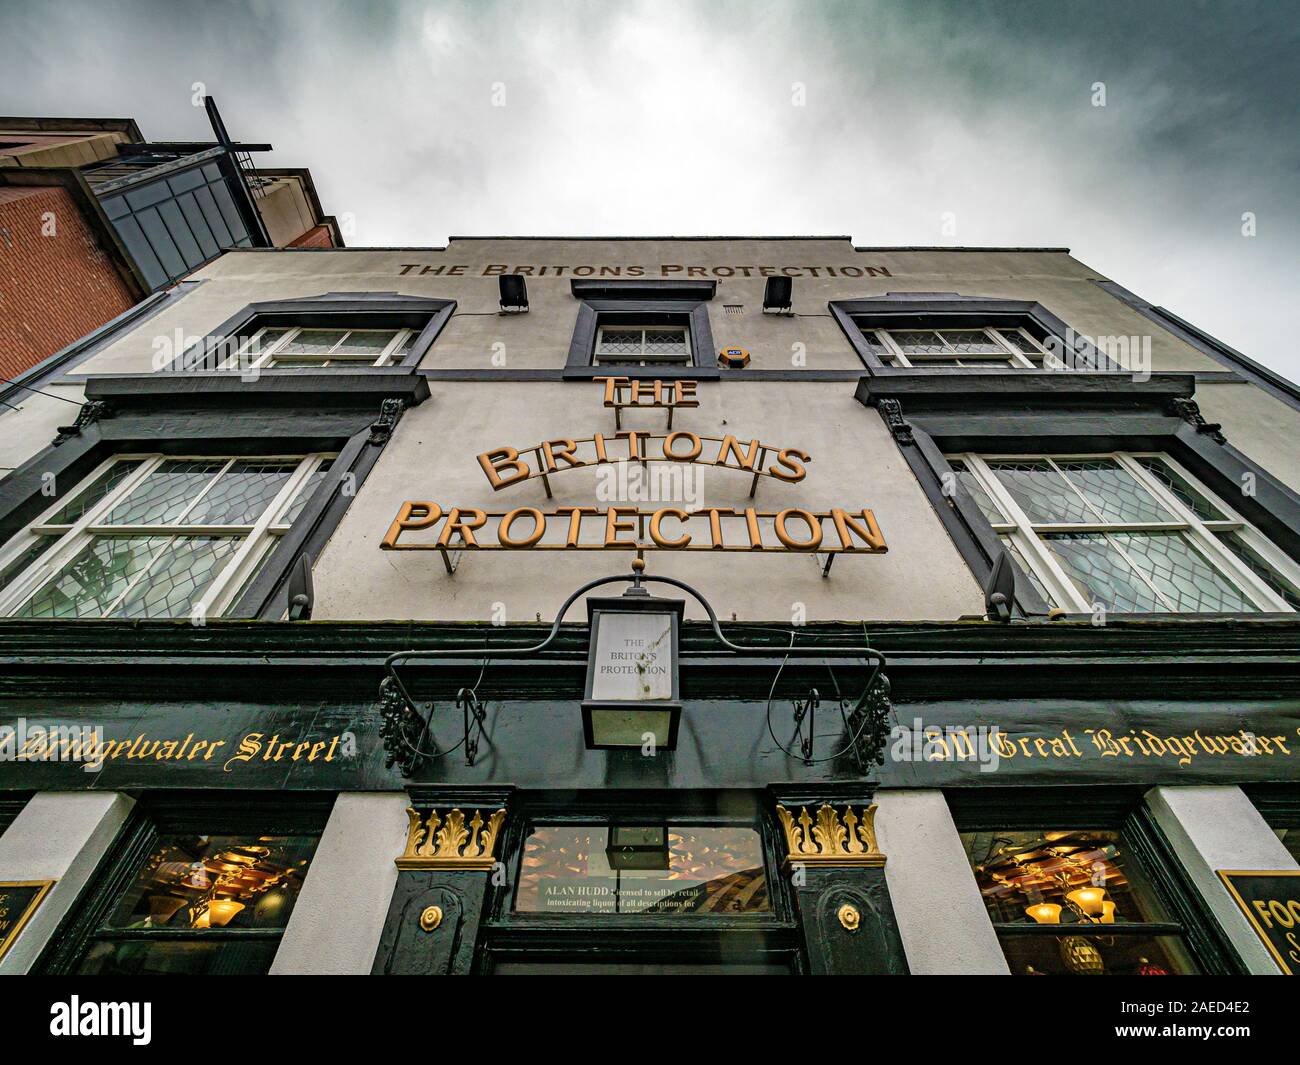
column 431, row 918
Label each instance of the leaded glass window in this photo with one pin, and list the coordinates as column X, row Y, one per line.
column 156, row 537
column 969, row 348
column 642, row 345
column 282, row 347
column 1126, row 533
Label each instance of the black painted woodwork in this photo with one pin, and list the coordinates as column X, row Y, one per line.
column 405, row 949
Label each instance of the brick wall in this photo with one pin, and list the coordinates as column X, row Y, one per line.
column 316, row 237
column 55, row 288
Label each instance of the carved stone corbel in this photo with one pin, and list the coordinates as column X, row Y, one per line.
column 91, row 411
column 1190, row 412
column 892, row 411
column 382, row 428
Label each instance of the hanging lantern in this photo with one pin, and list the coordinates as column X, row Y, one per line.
column 632, row 847
column 633, row 695
column 1090, row 901
column 1081, row 957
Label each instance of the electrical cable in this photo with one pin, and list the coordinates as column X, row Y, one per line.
column 636, row 577
column 48, row 395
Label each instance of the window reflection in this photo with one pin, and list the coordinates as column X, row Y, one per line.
column 655, row 869
column 203, row 905
column 1073, row 903
column 202, row 882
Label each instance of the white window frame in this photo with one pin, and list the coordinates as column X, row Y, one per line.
column 628, row 358
column 258, row 538
column 896, row 356
column 266, row 359
column 1023, row 532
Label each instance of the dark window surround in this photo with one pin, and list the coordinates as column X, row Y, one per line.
column 160, row 813
column 1240, row 365
column 611, row 302
column 1278, row 804
column 1120, row 807
column 906, row 310
column 330, row 310
column 11, row 805
column 351, row 412
column 931, row 415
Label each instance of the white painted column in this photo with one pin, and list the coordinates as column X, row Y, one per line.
column 340, row 912
column 59, row 836
column 941, row 917
column 1213, row 828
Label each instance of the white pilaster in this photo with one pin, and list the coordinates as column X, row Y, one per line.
column 941, row 916
column 59, row 836
column 1217, row 827
column 340, row 912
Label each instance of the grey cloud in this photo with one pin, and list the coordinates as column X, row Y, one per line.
column 676, row 117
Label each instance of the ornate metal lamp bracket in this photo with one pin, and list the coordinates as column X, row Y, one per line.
column 406, row 735
column 409, row 743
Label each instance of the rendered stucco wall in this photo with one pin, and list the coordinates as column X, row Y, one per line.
column 941, row 917
column 59, row 836
column 339, row 916
column 855, row 463
column 1213, row 828
column 479, row 338
column 1256, row 424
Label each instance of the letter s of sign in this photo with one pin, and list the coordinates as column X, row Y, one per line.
column 793, row 471
column 248, row 749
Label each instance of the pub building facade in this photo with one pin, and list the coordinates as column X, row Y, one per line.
column 738, row 605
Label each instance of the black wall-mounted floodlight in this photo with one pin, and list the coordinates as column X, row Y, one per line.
column 1000, row 589
column 514, row 293
column 778, row 295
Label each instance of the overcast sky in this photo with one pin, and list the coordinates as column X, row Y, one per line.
column 877, row 120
